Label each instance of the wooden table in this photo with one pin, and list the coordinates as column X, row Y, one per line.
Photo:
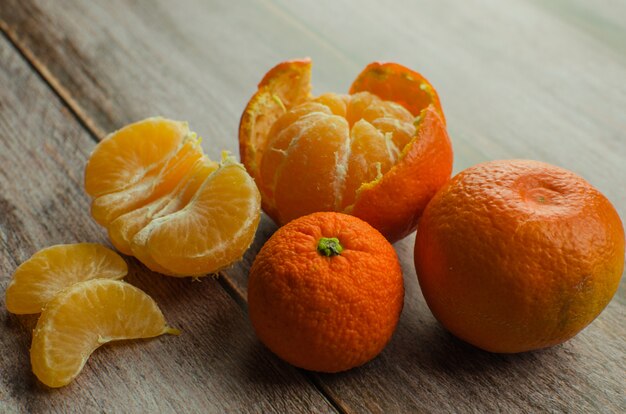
column 518, row 79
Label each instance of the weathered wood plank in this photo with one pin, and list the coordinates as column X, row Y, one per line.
column 216, row 365
column 515, row 81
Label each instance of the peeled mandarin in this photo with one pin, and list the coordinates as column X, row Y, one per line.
column 163, row 201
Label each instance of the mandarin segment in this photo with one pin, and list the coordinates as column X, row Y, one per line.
column 124, row 158
column 324, row 153
column 85, row 316
column 50, row 270
column 213, row 230
column 306, row 178
column 518, row 255
column 122, row 230
column 108, row 207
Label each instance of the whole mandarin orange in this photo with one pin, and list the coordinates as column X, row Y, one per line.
column 518, row 255
column 379, row 153
column 325, row 292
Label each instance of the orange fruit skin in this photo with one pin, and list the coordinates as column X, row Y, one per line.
column 392, row 203
column 321, row 313
column 518, row 255
column 394, row 82
column 395, row 204
column 290, row 81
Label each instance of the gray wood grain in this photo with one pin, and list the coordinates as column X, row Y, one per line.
column 518, row 79
column 216, row 365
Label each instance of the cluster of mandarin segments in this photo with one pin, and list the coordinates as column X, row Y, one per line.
column 165, row 202
column 82, row 305
column 379, row 153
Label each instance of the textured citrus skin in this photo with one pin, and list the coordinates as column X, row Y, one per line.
column 518, row 255
column 394, row 82
column 395, row 204
column 285, row 85
column 347, row 153
column 323, row 313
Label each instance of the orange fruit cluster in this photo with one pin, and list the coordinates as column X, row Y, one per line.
column 518, row 255
column 379, row 153
column 82, row 307
column 325, row 292
column 165, row 202
column 511, row 255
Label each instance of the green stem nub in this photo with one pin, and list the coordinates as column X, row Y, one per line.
column 329, row 246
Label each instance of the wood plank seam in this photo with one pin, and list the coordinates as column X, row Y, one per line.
column 55, row 86
column 97, row 135
column 326, row 391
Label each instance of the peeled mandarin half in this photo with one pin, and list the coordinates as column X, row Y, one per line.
column 379, row 153
column 85, row 316
column 165, row 202
column 37, row 280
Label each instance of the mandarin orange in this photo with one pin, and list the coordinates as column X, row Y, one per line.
column 379, row 153
column 518, row 255
column 325, row 292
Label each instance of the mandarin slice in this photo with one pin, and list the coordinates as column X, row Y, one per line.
column 108, row 207
column 379, row 153
column 123, row 228
column 125, row 157
column 85, row 316
column 213, row 230
column 50, row 270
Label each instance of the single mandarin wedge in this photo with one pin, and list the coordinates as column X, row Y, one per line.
column 123, row 228
column 125, row 157
column 210, row 232
column 50, row 270
column 165, row 202
column 518, row 255
column 379, row 153
column 325, row 292
column 108, row 207
column 85, row 316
